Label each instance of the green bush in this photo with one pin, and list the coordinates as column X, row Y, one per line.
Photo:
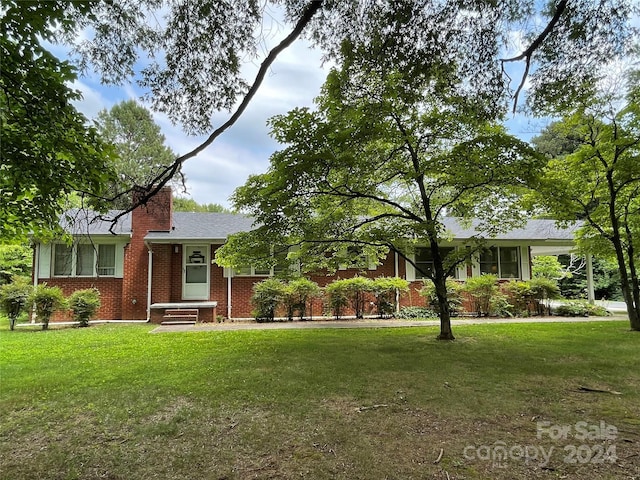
column 454, row 296
column 416, row 312
column 482, row 289
column 519, row 296
column 337, row 297
column 267, row 297
column 46, row 301
column 348, row 292
column 14, row 298
column 384, row 289
column 84, row 304
column 543, row 290
column 296, row 294
column 580, row 308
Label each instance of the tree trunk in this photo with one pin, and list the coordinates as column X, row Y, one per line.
column 630, row 291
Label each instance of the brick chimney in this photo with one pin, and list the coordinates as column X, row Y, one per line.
column 156, row 215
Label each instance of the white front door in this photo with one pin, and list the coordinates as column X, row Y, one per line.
column 195, row 272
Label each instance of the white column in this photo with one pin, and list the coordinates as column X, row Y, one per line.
column 590, row 292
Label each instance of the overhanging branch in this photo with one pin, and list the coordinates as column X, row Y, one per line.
column 146, row 192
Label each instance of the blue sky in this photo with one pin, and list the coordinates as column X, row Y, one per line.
column 294, row 81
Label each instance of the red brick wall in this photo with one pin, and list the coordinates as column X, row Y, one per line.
column 110, row 295
column 154, row 216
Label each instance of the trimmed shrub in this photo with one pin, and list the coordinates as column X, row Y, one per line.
column 416, row 312
column 46, row 301
column 267, row 296
column 481, row 290
column 384, row 289
column 543, row 290
column 296, row 295
column 84, row 304
column 337, row 297
column 348, row 292
column 454, row 296
column 580, row 308
column 13, row 299
column 519, row 296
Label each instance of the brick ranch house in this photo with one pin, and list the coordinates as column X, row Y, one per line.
column 159, row 260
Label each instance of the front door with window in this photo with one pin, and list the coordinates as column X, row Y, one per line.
column 195, row 272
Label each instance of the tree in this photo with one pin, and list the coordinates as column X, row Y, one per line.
column 15, row 261
column 377, row 167
column 193, row 58
column 182, row 204
column 599, row 183
column 139, row 144
column 47, row 149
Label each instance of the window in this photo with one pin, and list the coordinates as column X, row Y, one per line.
column 500, row 261
column 84, row 260
column 250, row 271
column 424, row 260
column 282, row 266
column 106, row 260
column 62, row 260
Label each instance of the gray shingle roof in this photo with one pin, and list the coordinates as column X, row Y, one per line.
column 535, row 229
column 218, row 226
column 203, row 226
column 87, row 222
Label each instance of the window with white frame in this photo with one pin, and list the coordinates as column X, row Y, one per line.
column 282, row 266
column 501, row 261
column 84, row 260
column 424, row 261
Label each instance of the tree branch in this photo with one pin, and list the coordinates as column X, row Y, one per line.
column 528, row 53
column 148, row 191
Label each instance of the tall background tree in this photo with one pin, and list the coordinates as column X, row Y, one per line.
column 599, row 181
column 377, row 167
column 142, row 155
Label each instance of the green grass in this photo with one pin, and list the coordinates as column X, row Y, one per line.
column 117, row 402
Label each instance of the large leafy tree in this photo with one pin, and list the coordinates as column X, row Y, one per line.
column 198, row 49
column 47, row 149
column 599, row 183
column 139, row 144
column 189, row 56
column 377, row 167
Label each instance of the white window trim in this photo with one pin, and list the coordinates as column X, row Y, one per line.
column 74, row 260
column 411, row 270
column 519, row 274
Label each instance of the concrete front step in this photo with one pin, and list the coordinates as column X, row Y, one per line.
column 178, row 322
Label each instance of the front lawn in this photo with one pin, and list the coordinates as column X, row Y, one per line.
column 115, row 402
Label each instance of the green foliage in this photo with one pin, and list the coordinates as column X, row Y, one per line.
column 519, row 295
column 580, row 308
column 267, row 296
column 407, row 313
column 141, row 153
column 46, row 301
column 543, row 290
column 84, row 304
column 548, row 266
column 385, row 289
column 454, row 295
column 15, row 261
column 182, row 204
column 346, row 292
column 598, row 182
column 14, row 298
column 482, row 291
column 297, row 293
column 47, row 149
